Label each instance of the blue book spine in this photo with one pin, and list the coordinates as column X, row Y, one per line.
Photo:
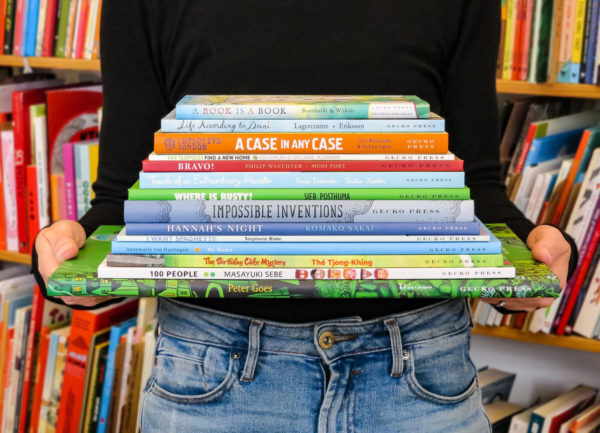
column 549, row 147
column 115, row 336
column 296, row 211
column 171, row 124
column 297, row 229
column 307, row 248
column 591, row 54
column 367, row 179
column 31, row 30
column 82, row 177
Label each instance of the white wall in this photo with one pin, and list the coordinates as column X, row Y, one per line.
column 542, row 371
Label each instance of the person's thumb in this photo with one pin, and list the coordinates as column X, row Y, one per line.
column 549, row 246
column 57, row 243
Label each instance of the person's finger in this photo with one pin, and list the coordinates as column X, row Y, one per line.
column 521, row 304
column 89, row 301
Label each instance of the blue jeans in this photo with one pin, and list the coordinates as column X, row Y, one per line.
column 218, row 372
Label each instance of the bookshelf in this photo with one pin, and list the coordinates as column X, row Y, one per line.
column 567, row 342
column 11, row 256
column 548, row 89
column 51, row 63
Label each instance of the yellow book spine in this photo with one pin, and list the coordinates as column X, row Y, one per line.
column 93, row 166
column 509, row 43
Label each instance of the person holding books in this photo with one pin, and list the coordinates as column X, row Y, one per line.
column 302, row 365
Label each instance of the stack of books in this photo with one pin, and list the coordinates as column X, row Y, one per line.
column 280, row 196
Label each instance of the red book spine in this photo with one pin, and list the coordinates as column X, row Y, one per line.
column 236, row 166
column 526, row 146
column 2, row 24
column 33, row 218
column 38, row 383
column 32, row 349
column 580, row 273
column 49, row 23
column 526, row 40
column 22, row 159
column 82, row 21
column 518, row 41
column 83, row 326
column 18, row 29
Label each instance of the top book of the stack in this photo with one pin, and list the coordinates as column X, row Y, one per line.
column 301, row 107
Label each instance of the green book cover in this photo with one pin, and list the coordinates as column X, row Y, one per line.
column 137, row 193
column 79, row 277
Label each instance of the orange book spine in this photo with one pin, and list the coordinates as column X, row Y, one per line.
column 570, row 181
column 38, row 382
column 83, row 326
column 301, row 143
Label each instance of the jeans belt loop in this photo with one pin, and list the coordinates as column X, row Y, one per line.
column 253, row 348
column 396, row 346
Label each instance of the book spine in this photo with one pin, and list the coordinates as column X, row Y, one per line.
column 2, row 24
column 305, row 157
column 93, row 154
column 41, row 157
column 295, row 229
column 356, row 289
column 576, row 50
column 302, row 194
column 90, row 29
column 511, row 9
column 49, row 27
column 70, row 182
column 33, row 218
column 22, row 157
column 585, row 286
column 190, row 211
column 597, row 56
column 593, row 41
column 536, row 423
column 82, row 167
column 38, row 380
column 2, row 212
column 31, row 29
column 96, row 40
column 586, row 42
column 9, row 183
column 586, row 321
column 236, row 166
column 81, row 23
column 9, row 26
column 286, row 143
column 305, row 273
column 520, row 6
column 544, row 42
column 18, row 29
column 408, row 109
column 315, row 238
column 575, row 283
column 72, row 28
column 527, row 39
column 172, row 125
column 566, row 43
column 312, row 261
column 304, row 248
column 367, row 179
column 61, row 27
column 41, row 21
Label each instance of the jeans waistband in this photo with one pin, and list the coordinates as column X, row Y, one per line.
column 328, row 340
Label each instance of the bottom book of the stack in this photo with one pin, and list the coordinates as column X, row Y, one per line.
column 79, row 277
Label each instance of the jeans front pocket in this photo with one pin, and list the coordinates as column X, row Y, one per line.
column 192, row 372
column 440, row 370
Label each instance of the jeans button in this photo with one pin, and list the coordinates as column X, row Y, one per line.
column 326, row 340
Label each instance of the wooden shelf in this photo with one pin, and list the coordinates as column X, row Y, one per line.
column 568, row 342
column 10, row 256
column 548, row 89
column 52, row 63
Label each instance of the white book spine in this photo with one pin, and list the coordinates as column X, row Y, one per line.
column 303, row 273
column 590, row 310
column 39, row 38
column 324, row 238
column 305, row 157
column 41, row 158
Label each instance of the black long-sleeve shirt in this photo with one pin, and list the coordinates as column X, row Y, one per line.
column 156, row 51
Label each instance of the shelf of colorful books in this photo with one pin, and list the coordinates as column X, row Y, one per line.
column 568, row 342
column 11, row 256
column 51, row 63
column 548, row 89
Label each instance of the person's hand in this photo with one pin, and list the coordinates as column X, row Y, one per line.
column 547, row 245
column 54, row 245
